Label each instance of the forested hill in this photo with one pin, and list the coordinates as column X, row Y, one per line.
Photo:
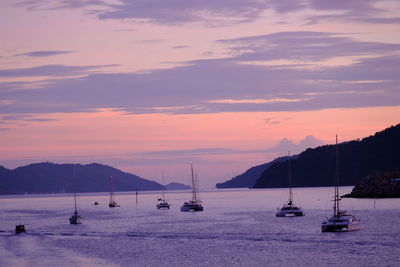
column 357, row 159
column 49, row 177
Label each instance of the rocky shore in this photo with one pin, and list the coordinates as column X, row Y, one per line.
column 382, row 185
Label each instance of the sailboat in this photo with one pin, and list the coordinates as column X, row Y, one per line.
column 162, row 203
column 75, row 218
column 290, row 209
column 112, row 203
column 195, row 204
column 340, row 221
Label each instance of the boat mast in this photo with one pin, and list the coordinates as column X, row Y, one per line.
column 194, row 196
column 196, row 179
column 163, row 195
column 74, row 173
column 290, row 182
column 111, row 190
column 75, row 202
column 336, row 205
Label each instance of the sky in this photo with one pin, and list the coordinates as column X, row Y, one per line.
column 150, row 86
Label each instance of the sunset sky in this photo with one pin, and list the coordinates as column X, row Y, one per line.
column 152, row 85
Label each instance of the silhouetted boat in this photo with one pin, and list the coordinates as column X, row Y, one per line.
column 75, row 218
column 112, row 203
column 289, row 208
column 19, row 229
column 195, row 204
column 162, row 203
column 340, row 221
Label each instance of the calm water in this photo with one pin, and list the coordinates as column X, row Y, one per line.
column 237, row 228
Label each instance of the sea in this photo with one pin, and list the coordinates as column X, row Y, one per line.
column 238, row 227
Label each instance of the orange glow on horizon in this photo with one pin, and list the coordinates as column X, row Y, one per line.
column 116, row 132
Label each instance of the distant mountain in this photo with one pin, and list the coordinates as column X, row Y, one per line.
column 55, row 178
column 249, row 177
column 316, row 167
column 177, row 186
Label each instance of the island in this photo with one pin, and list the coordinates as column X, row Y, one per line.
column 177, row 186
column 48, row 177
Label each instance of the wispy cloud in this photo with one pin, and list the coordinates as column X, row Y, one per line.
column 181, row 46
column 51, row 70
column 179, row 12
column 43, row 53
column 218, row 13
column 150, row 41
column 272, row 121
column 226, row 85
column 59, row 4
column 256, row 101
column 25, row 118
column 221, row 12
column 187, row 152
column 41, row 119
column 303, row 46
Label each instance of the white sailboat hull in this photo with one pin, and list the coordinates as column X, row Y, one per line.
column 190, row 206
column 163, row 205
column 341, row 225
column 289, row 212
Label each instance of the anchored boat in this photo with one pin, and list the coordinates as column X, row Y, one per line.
column 112, row 203
column 162, row 203
column 289, row 208
column 195, row 204
column 340, row 221
column 75, row 218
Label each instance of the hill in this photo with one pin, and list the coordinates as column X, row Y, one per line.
column 49, row 177
column 357, row 159
column 177, row 186
column 249, row 177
